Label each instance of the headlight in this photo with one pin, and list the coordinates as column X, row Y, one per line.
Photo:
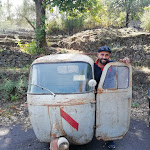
column 63, row 143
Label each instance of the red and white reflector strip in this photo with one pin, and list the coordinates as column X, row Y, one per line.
column 70, row 120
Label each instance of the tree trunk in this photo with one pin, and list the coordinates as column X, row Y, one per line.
column 128, row 4
column 40, row 24
column 127, row 19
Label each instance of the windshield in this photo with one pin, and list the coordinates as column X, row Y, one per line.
column 70, row 77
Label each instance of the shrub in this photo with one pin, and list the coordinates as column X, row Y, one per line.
column 145, row 20
column 29, row 48
column 6, row 88
column 13, row 90
column 54, row 26
column 73, row 25
column 65, row 24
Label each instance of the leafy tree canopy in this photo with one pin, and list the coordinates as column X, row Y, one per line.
column 74, row 8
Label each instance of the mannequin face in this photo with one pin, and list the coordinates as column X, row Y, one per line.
column 104, row 57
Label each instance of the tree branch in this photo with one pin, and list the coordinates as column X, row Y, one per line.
column 29, row 22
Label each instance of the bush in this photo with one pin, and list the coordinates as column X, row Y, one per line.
column 89, row 23
column 74, row 25
column 13, row 90
column 120, row 20
column 6, row 88
column 29, row 48
column 145, row 20
column 64, row 24
column 54, row 26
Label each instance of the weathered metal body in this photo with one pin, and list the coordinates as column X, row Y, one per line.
column 48, row 112
column 48, row 123
column 114, row 103
column 54, row 114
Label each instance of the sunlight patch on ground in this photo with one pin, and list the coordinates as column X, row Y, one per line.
column 13, row 69
column 145, row 69
column 4, row 131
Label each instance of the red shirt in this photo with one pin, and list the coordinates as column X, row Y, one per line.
column 97, row 64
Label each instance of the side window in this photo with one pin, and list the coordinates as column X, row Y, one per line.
column 117, row 77
column 110, row 79
column 123, row 77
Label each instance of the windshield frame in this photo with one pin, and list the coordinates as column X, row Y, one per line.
column 49, row 93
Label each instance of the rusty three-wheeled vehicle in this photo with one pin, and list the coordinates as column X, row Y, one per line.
column 64, row 108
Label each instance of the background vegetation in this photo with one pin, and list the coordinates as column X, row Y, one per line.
column 106, row 13
column 65, row 17
column 68, row 17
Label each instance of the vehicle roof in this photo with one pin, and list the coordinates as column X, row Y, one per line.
column 64, row 58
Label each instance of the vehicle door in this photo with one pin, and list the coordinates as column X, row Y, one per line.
column 113, row 104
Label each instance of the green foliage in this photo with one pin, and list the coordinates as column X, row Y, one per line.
column 135, row 105
column 98, row 12
column 145, row 19
column 40, row 34
column 73, row 25
column 27, row 8
column 26, row 66
column 13, row 90
column 147, row 8
column 73, row 8
column 76, row 12
column 12, row 16
column 54, row 26
column 135, row 87
column 89, row 23
column 14, row 97
column 8, row 85
column 29, row 48
column 21, row 85
column 65, row 24
column 118, row 10
column 1, row 50
column 6, row 88
column 120, row 20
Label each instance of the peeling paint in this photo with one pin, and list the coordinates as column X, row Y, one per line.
column 112, row 109
column 99, row 91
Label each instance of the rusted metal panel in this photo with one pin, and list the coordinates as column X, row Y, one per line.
column 113, row 108
column 53, row 144
column 49, row 123
column 60, row 99
column 84, row 117
column 112, row 116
